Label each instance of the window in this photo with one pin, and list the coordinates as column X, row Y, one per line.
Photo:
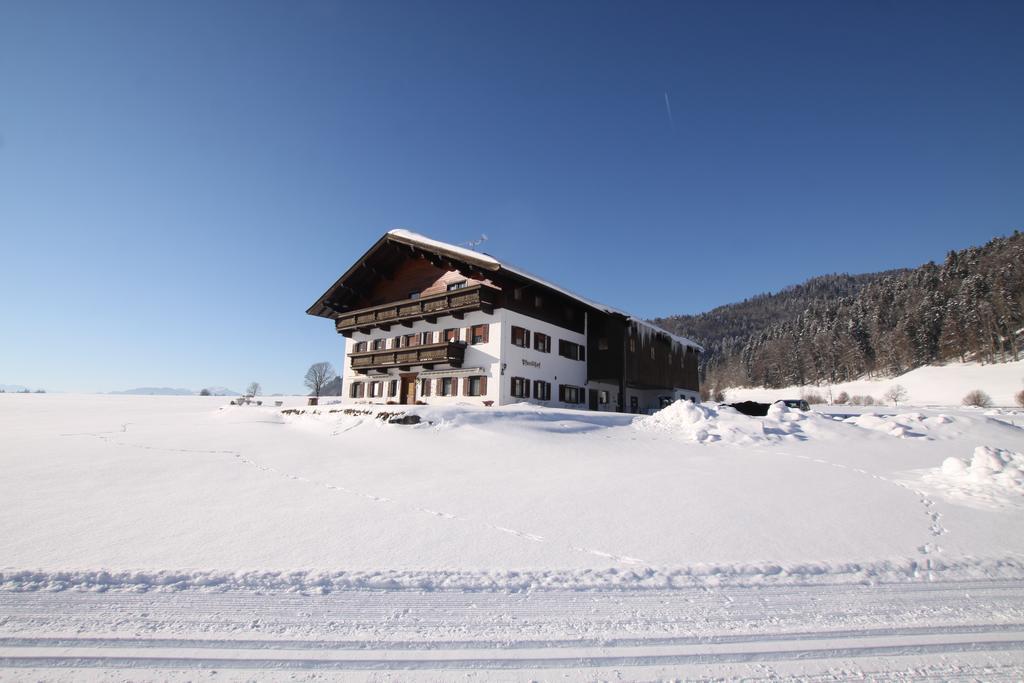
column 376, row 389
column 652, row 353
column 538, row 301
column 425, row 387
column 447, row 386
column 475, row 386
column 520, row 337
column 396, row 343
column 414, row 295
column 356, row 390
column 451, row 334
column 478, row 334
column 393, row 388
column 571, row 350
column 452, row 286
column 602, row 344
column 570, row 394
column 360, row 347
column 632, row 344
column 520, row 387
column 428, row 338
column 542, row 342
column 378, row 344
column 412, row 340
column 541, row 390
column 517, row 293
column 602, row 397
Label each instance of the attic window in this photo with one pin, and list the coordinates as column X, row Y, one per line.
column 452, row 286
column 414, row 295
column 538, row 301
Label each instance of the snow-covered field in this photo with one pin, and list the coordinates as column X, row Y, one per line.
column 931, row 385
column 155, row 538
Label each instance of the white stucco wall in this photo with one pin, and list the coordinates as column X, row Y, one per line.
column 549, row 367
column 484, row 356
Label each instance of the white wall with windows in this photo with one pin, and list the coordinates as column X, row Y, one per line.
column 528, row 369
column 384, row 386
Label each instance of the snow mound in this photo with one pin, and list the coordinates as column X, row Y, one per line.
column 713, row 423
column 906, row 425
column 993, row 476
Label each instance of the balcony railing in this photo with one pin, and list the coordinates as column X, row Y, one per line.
column 473, row 298
column 451, row 352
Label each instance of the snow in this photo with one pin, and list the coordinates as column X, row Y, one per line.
column 616, row 543
column 933, row 385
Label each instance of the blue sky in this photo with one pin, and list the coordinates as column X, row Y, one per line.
column 179, row 181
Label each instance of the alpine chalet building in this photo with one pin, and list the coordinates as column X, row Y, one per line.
column 433, row 323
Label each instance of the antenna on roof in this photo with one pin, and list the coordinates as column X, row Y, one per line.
column 473, row 244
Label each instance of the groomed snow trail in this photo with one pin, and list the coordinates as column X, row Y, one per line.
column 940, row 630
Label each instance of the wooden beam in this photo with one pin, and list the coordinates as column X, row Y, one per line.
column 458, row 315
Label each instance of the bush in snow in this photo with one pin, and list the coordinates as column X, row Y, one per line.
column 843, row 398
column 812, row 397
column 896, row 393
column 978, row 398
column 869, row 400
column 856, row 400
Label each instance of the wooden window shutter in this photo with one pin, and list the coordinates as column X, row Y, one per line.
column 469, row 335
column 437, row 386
column 455, row 386
column 486, row 332
column 526, row 338
column 583, row 352
column 561, row 392
column 465, row 386
column 483, row 386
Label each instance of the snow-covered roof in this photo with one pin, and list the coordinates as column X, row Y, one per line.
column 489, row 262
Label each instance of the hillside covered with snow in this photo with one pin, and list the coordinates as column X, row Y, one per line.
column 931, row 385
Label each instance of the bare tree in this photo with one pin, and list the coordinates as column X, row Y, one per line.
column 1020, row 398
column 318, row 375
column 978, row 398
column 254, row 389
column 896, row 393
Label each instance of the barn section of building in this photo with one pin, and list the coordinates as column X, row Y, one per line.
column 430, row 322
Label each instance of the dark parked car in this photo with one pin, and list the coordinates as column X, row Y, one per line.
column 797, row 403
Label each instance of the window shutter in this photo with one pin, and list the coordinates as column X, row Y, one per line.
column 469, row 335
column 561, row 392
column 526, row 336
column 437, row 386
column 485, row 335
column 465, row 386
column 455, row 386
column 483, row 386
column 583, row 352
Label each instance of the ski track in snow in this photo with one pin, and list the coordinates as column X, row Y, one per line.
column 943, row 630
column 437, row 514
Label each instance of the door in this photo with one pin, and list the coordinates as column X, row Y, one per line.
column 408, row 392
column 593, row 399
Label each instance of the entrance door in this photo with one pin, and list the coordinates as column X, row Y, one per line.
column 408, row 393
column 593, row 399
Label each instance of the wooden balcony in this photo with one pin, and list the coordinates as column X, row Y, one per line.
column 426, row 355
column 429, row 308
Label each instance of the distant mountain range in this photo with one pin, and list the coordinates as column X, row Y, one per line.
column 169, row 391
column 12, row 388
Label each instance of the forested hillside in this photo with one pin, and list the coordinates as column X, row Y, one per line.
column 839, row 327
